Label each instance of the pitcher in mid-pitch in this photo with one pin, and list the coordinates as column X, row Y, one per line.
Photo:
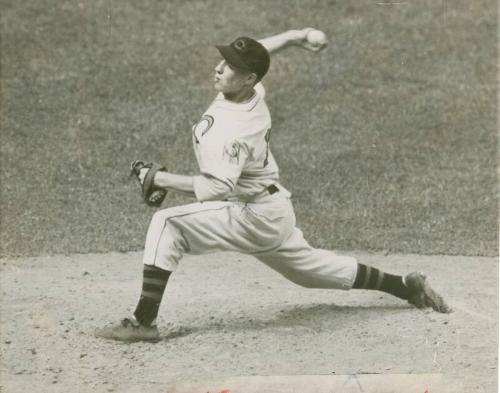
column 241, row 206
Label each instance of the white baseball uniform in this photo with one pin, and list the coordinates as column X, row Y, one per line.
column 231, row 143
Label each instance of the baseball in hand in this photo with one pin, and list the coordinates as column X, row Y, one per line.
column 316, row 38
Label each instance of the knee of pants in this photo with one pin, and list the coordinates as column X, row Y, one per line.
column 165, row 244
column 320, row 276
column 170, row 249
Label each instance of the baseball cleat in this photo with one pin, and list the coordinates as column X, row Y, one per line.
column 422, row 295
column 129, row 330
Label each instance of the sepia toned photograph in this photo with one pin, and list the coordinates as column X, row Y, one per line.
column 228, row 196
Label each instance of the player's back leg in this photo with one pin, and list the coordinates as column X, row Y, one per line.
column 311, row 267
column 317, row 268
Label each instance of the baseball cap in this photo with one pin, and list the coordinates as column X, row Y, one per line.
column 247, row 54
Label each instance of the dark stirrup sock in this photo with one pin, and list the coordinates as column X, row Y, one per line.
column 369, row 277
column 153, row 285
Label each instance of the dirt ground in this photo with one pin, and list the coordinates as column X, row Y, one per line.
column 226, row 317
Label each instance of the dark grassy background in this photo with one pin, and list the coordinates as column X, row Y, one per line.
column 387, row 138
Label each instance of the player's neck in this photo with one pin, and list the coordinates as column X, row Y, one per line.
column 241, row 96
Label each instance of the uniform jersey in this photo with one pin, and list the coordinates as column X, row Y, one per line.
column 231, row 144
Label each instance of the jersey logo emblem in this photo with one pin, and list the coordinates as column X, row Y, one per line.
column 232, row 152
column 202, row 127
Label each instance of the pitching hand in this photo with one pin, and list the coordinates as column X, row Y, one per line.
column 301, row 40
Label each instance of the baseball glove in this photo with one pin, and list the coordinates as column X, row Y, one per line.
column 152, row 195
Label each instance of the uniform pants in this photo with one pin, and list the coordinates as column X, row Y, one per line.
column 264, row 228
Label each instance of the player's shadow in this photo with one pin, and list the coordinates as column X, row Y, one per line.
column 314, row 317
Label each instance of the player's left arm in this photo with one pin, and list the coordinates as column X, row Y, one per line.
column 289, row 38
column 201, row 187
column 174, row 182
column 220, row 170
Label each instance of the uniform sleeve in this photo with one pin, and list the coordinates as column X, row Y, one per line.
column 208, row 188
column 226, row 161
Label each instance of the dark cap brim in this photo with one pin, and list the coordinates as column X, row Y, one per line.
column 232, row 56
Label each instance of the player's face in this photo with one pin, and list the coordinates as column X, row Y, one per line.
column 231, row 80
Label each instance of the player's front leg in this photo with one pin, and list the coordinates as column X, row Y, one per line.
column 197, row 228
column 142, row 325
column 163, row 249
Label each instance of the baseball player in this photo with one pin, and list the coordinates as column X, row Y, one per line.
column 241, row 206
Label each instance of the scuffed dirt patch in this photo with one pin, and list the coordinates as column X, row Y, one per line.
column 227, row 315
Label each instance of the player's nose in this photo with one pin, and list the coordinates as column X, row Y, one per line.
column 219, row 67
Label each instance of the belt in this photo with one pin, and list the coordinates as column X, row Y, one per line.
column 272, row 189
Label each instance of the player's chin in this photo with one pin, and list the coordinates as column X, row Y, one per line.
column 217, row 85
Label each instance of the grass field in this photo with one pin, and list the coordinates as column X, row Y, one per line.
column 388, row 139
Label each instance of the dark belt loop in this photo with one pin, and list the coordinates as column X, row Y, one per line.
column 272, row 189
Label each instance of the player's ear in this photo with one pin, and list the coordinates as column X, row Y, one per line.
column 252, row 78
